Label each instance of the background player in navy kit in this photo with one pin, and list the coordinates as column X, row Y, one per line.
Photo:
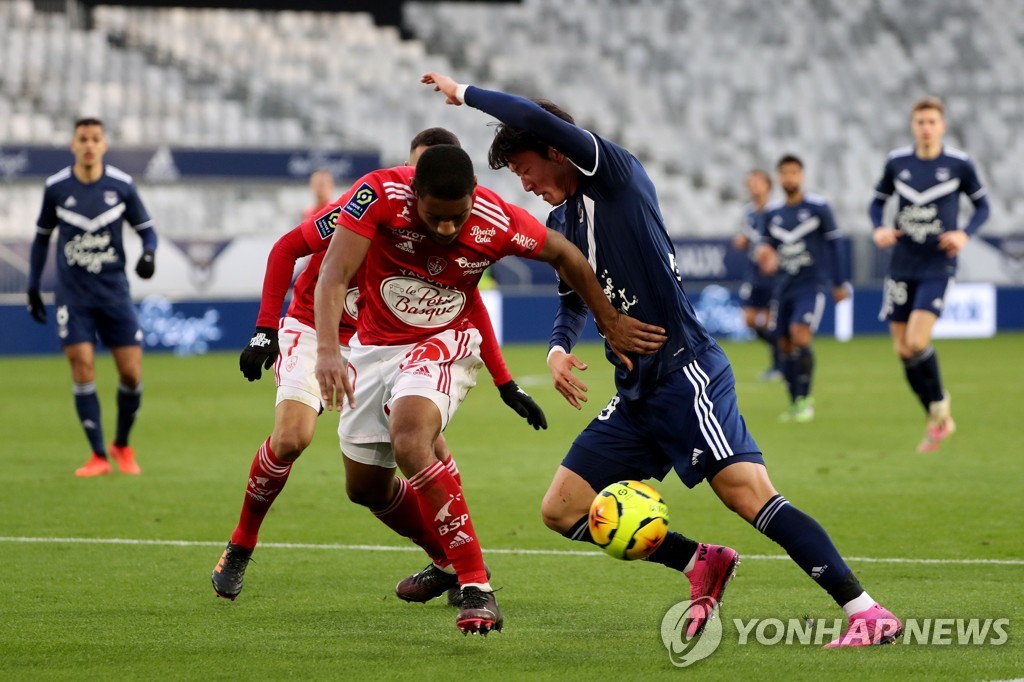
column 86, row 203
column 757, row 289
column 675, row 408
column 929, row 178
column 802, row 245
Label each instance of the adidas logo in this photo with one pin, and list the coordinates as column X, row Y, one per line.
column 818, row 571
column 423, row 371
column 461, row 538
column 904, row 174
column 70, row 202
column 405, row 246
column 697, row 452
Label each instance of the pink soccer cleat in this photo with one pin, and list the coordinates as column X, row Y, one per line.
column 935, row 434
column 874, row 625
column 713, row 568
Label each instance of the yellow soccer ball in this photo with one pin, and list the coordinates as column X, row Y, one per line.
column 628, row 520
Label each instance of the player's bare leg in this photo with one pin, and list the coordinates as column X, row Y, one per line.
column 81, row 358
column 129, row 398
column 294, row 425
column 708, row 568
column 415, row 425
column 745, row 488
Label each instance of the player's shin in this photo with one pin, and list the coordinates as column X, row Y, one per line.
column 267, row 478
column 403, row 515
column 128, row 402
column 812, row 549
column 443, row 506
column 87, row 405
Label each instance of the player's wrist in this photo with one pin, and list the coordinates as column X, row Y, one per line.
column 556, row 349
column 460, row 92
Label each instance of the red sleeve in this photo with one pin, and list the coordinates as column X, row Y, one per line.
column 280, row 266
column 365, row 206
column 527, row 233
column 490, row 352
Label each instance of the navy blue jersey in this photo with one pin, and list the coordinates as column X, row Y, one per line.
column 929, row 202
column 615, row 220
column 805, row 237
column 90, row 248
column 753, row 230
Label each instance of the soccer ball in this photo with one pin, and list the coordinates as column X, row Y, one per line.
column 628, row 520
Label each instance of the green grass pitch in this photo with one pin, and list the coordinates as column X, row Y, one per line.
column 324, row 609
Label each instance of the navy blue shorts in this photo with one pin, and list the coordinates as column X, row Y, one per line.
column 689, row 423
column 116, row 325
column 756, row 295
column 800, row 307
column 900, row 298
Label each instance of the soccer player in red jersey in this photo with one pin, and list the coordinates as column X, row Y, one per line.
column 423, row 238
column 292, row 351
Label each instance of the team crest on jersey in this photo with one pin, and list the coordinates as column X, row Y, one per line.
column 327, row 223
column 362, row 199
column 110, row 197
column 435, row 265
column 942, row 174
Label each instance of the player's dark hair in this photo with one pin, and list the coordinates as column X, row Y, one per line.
column 763, row 174
column 788, row 159
column 508, row 140
column 929, row 102
column 88, row 121
column 444, row 172
column 432, row 137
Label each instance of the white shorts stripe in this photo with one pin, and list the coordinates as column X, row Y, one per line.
column 713, row 420
column 700, row 408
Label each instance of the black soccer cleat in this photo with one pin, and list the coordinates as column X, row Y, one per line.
column 480, row 613
column 229, row 572
column 429, row 583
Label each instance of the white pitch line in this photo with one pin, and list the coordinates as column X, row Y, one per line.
column 549, row 552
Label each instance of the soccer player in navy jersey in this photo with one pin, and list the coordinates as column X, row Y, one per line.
column 756, row 291
column 929, row 178
column 802, row 245
column 675, row 408
column 86, row 203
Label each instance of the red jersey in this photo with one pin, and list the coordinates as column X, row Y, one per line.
column 312, row 236
column 413, row 287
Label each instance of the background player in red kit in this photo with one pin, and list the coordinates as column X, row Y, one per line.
column 426, row 241
column 298, row 395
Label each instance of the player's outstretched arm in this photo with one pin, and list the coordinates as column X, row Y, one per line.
column 624, row 334
column 518, row 112
column 343, row 258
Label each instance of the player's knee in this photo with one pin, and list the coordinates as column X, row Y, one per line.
column 288, row 445
column 554, row 516
column 373, row 497
column 915, row 346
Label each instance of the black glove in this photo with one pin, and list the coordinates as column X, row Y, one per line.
column 146, row 265
column 35, row 306
column 525, row 406
column 262, row 350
